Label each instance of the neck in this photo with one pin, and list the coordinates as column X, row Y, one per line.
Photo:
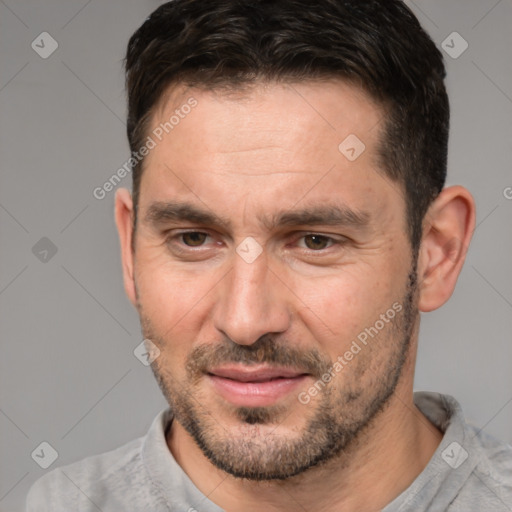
column 381, row 463
column 377, row 467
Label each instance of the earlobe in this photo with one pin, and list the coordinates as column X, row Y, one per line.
column 448, row 227
column 124, row 223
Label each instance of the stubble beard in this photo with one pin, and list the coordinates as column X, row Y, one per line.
column 340, row 416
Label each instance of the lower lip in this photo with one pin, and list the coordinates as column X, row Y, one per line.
column 255, row 394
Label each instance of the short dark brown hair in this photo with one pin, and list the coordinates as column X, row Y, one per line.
column 377, row 44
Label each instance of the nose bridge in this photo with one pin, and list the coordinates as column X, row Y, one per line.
column 250, row 302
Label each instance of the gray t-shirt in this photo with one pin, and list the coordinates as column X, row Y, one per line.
column 470, row 471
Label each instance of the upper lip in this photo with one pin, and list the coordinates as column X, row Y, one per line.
column 255, row 373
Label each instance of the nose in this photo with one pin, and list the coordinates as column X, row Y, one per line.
column 251, row 302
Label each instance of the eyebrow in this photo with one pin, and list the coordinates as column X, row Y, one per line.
column 325, row 215
column 328, row 215
column 163, row 212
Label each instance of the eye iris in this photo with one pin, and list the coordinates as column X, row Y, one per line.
column 194, row 239
column 315, row 242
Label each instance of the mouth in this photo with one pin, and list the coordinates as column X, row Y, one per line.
column 255, row 386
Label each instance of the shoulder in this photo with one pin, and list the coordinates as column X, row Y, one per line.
column 87, row 479
column 470, row 471
column 491, row 479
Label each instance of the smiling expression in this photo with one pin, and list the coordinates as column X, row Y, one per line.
column 261, row 252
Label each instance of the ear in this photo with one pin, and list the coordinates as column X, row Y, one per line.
column 124, row 222
column 447, row 230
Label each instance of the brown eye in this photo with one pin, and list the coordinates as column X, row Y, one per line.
column 194, row 238
column 316, row 242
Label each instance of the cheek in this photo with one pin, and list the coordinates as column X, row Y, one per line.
column 173, row 301
column 342, row 305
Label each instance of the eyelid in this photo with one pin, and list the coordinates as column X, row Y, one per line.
column 330, row 236
column 297, row 234
column 173, row 236
column 333, row 240
column 183, row 231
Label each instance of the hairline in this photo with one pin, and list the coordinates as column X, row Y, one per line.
column 239, row 89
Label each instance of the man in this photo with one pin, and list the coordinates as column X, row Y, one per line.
column 288, row 223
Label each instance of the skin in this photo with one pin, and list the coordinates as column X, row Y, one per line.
column 268, row 150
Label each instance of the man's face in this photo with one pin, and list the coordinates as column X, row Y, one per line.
column 264, row 256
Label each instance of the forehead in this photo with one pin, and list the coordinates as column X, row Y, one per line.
column 313, row 108
column 271, row 144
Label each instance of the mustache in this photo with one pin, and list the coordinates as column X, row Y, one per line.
column 265, row 350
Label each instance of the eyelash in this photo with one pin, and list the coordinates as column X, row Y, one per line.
column 174, row 239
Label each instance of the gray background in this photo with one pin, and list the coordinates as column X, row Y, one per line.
column 67, row 369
